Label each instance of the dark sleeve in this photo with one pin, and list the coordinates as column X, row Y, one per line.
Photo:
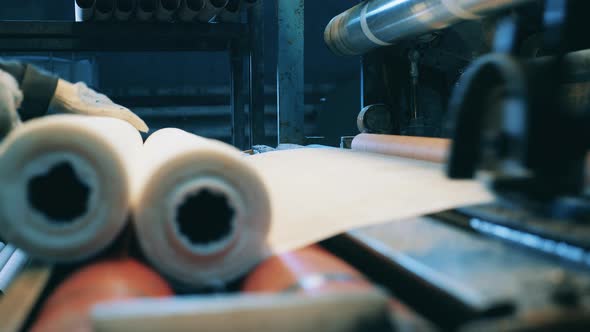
column 38, row 88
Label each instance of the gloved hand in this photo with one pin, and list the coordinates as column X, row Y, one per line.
column 80, row 99
column 10, row 99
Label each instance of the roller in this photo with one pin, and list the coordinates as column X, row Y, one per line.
column 84, row 9
column 65, row 192
column 68, row 308
column 201, row 212
column 189, row 9
column 419, row 148
column 167, row 9
column 211, row 9
column 124, row 9
column 9, row 271
column 231, row 12
column 377, row 23
column 104, row 10
column 310, row 270
column 146, row 9
column 333, row 312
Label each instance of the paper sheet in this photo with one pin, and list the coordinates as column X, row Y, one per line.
column 318, row 193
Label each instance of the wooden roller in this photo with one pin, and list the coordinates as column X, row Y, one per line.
column 421, row 148
column 68, row 308
column 309, row 270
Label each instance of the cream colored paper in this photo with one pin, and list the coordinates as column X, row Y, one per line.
column 318, row 193
column 176, row 167
column 98, row 152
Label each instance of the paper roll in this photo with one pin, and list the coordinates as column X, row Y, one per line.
column 17, row 262
column 201, row 212
column 318, row 193
column 211, row 9
column 146, row 9
column 189, row 9
column 166, row 10
column 420, row 148
column 124, row 9
column 104, row 10
column 10, row 99
column 84, row 9
column 65, row 193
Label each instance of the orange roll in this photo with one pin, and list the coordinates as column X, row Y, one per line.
column 309, row 270
column 68, row 308
column 420, row 148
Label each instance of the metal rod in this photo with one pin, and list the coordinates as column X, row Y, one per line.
column 146, row 9
column 290, row 74
column 124, row 9
column 211, row 9
column 104, row 10
column 18, row 260
column 167, row 9
column 257, row 122
column 189, row 9
column 84, row 9
column 377, row 23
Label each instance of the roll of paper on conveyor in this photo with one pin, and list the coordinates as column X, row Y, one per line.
column 201, row 212
column 65, row 193
column 84, row 9
column 68, row 308
column 419, row 148
column 309, row 270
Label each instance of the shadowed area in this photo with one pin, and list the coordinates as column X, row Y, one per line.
column 205, row 217
column 59, row 194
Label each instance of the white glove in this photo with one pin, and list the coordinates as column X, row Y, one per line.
column 80, row 99
column 10, row 99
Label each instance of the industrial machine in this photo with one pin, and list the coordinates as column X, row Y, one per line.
column 516, row 88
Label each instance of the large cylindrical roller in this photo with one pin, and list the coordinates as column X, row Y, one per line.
column 65, row 193
column 202, row 213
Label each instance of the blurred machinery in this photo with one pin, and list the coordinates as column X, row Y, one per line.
column 508, row 81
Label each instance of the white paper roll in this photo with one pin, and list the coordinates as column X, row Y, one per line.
column 166, row 9
column 201, row 212
column 189, row 9
column 124, row 9
column 84, row 9
column 64, row 185
column 104, row 10
column 211, row 9
column 17, row 262
column 146, row 9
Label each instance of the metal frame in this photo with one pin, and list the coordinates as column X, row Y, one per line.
column 243, row 42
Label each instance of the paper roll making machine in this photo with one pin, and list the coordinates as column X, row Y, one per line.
column 508, row 82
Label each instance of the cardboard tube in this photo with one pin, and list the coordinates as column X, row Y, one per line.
column 84, row 9
column 68, row 307
column 146, row 9
column 166, row 10
column 310, row 270
column 419, row 148
column 189, row 9
column 65, row 191
column 231, row 12
column 104, row 10
column 201, row 212
column 124, row 9
column 211, row 9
